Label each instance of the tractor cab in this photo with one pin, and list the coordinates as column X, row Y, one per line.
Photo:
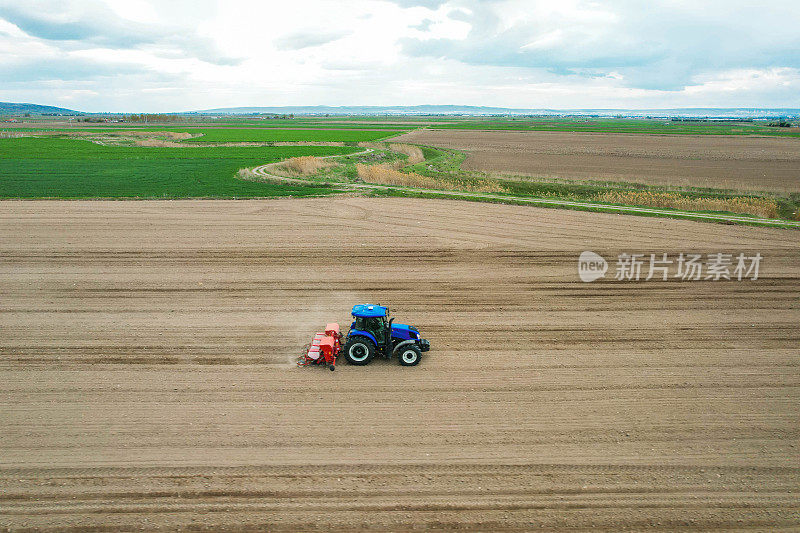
column 373, row 319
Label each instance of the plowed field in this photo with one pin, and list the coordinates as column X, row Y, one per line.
column 147, row 377
column 716, row 161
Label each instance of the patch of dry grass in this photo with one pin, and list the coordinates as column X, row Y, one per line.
column 250, row 175
column 414, row 153
column 157, row 139
column 386, row 175
column 247, row 174
column 750, row 206
column 305, row 165
column 165, row 135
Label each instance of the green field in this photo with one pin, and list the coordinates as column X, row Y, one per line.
column 599, row 125
column 563, row 124
column 279, row 135
column 67, row 168
column 251, row 134
column 353, row 129
column 314, row 123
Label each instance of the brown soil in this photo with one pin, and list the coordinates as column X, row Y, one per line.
column 727, row 162
column 147, row 376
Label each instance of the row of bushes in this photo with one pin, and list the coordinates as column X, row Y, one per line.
column 388, row 176
column 744, row 205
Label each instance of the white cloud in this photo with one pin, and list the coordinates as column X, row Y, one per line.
column 136, row 10
column 163, row 56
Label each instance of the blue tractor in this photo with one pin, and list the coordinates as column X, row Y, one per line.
column 374, row 333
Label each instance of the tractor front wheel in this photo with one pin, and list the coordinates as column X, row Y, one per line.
column 410, row 355
column 359, row 351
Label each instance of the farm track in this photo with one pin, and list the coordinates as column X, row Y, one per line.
column 147, row 378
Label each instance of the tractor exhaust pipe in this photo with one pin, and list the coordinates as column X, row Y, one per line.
column 388, row 350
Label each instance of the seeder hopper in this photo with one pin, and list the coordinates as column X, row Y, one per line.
column 324, row 348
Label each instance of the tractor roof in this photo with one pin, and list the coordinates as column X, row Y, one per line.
column 369, row 311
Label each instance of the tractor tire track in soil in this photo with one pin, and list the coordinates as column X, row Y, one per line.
column 147, row 380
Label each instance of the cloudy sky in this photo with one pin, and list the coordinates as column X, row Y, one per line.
column 142, row 55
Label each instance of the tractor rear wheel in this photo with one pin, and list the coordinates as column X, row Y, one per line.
column 359, row 351
column 410, row 355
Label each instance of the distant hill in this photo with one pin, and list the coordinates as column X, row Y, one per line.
column 12, row 108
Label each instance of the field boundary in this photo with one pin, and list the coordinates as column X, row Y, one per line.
column 263, row 172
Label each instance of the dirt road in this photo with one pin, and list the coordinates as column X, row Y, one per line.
column 727, row 162
column 146, row 375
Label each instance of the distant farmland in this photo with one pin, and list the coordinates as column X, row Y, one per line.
column 68, row 168
column 223, row 134
column 284, row 135
column 622, row 125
